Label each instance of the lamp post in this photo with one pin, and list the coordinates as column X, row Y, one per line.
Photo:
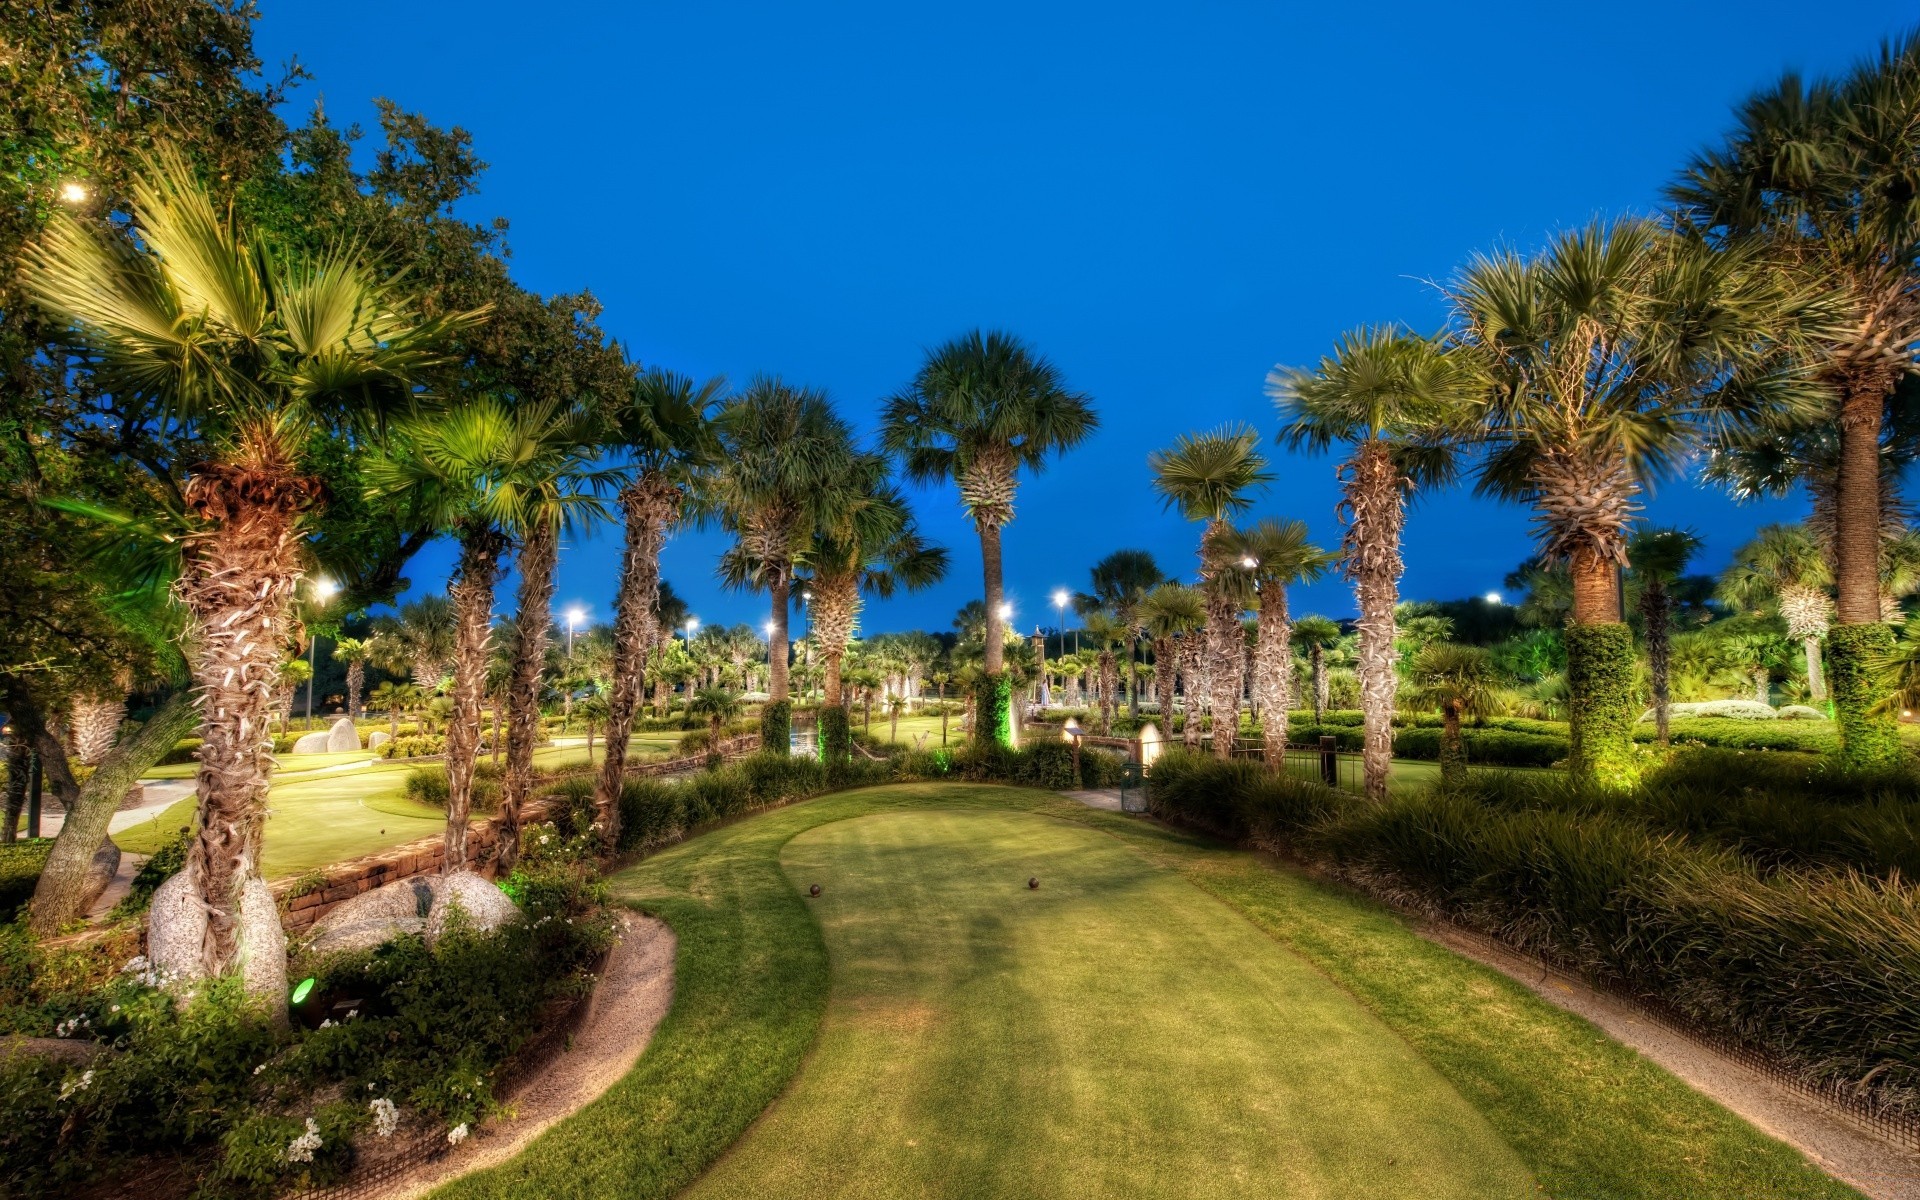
column 806, row 615
column 576, row 616
column 323, row 591
column 1060, row 599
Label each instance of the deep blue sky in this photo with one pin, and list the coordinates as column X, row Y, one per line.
column 1165, row 199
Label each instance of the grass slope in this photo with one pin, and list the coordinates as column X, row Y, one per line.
column 1117, row 1032
column 1587, row 1117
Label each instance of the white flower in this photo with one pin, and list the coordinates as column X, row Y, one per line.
column 457, row 1134
column 260, row 1068
column 301, row 1148
column 352, row 1013
column 386, row 1116
column 76, row 1085
column 327, row 1024
column 135, row 964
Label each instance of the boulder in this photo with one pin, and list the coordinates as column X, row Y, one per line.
column 177, row 926
column 483, row 905
column 343, row 736
column 77, row 1051
column 312, row 743
column 104, row 865
column 378, row 738
column 385, row 913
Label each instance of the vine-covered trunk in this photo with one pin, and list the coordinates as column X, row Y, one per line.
column 649, row 505
column 471, row 591
column 1273, row 669
column 237, row 586
column 1375, row 509
column 1656, row 610
column 539, row 550
column 58, row 896
column 1600, row 667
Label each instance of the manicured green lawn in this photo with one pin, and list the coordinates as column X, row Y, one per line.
column 911, row 728
column 1115, row 1033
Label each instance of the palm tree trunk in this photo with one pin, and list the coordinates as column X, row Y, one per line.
column 1656, row 609
column 1273, row 669
column 1226, row 645
column 237, row 586
column 649, row 504
column 1869, row 731
column 1816, row 680
column 539, row 550
column 95, row 722
column 1321, row 688
column 1599, row 674
column 471, row 591
column 991, row 567
column 61, row 890
column 1376, row 510
column 836, row 605
column 1108, row 685
column 780, row 587
column 1164, row 674
column 356, row 683
column 1453, row 753
column 1190, row 656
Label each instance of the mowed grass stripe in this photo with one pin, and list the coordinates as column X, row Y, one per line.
column 1116, row 1033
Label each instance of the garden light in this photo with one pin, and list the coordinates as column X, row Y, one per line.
column 302, row 990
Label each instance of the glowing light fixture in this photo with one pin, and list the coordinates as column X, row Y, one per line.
column 1249, row 562
column 325, row 589
column 74, row 192
column 303, row 989
column 1006, row 610
column 1494, row 598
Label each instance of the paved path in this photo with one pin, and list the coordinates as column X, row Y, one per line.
column 1107, row 798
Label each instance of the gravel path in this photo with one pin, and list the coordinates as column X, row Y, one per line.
column 628, row 1005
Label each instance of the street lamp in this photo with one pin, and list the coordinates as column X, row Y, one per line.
column 693, row 623
column 1060, row 599
column 1494, row 598
column 323, row 591
column 576, row 617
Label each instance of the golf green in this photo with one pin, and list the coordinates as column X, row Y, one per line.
column 1117, row 1031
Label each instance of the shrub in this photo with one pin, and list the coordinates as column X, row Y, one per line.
column 776, row 726
column 1486, row 747
column 186, row 750
column 694, row 744
column 1735, row 734
column 20, row 864
column 1800, row 712
column 836, row 735
column 1240, row 800
column 414, row 746
column 1736, row 710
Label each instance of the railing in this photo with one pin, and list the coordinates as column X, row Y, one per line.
column 1323, row 762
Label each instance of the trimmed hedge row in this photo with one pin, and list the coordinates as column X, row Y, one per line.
column 1485, row 746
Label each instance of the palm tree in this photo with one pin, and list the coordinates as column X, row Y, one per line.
column 1318, row 635
column 982, row 407
column 1106, row 632
column 1820, row 174
column 1460, row 681
column 355, row 652
column 1612, row 355
column 252, row 352
column 1121, row 582
column 939, row 680
column 396, row 698
column 1273, row 555
column 421, row 640
column 1659, row 558
column 785, row 461
column 1398, row 398
column 1208, row 477
column 872, row 547
column 1755, row 653
column 895, row 705
column 719, row 705
column 1782, row 568
column 662, row 427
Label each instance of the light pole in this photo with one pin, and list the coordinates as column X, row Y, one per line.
column 323, row 591
column 806, row 615
column 768, row 627
column 1060, row 599
column 576, row 616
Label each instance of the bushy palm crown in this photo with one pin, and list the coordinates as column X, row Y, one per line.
column 1611, row 355
column 1661, row 553
column 1381, row 383
column 1279, row 551
column 1171, row 609
column 1463, row 677
column 209, row 328
column 1782, row 565
column 1312, row 630
column 984, row 402
column 1121, row 582
column 1208, row 476
column 421, row 634
column 663, row 423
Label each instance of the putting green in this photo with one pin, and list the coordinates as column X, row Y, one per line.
column 1117, row 1032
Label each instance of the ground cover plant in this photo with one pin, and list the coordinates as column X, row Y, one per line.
column 1580, row 1114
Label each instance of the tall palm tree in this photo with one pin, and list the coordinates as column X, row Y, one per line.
column 554, row 488
column 421, row 640
column 1460, row 681
column 785, row 461
column 663, row 428
column 253, row 352
column 1820, row 173
column 982, row 407
column 483, row 473
column 1397, row 398
column 1659, row 558
column 1272, row 556
column 1121, row 582
column 1317, row 635
column 874, row 548
column 1208, row 477
column 355, row 652
column 1613, row 355
column 1782, row 568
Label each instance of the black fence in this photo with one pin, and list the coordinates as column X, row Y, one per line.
column 1322, row 763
